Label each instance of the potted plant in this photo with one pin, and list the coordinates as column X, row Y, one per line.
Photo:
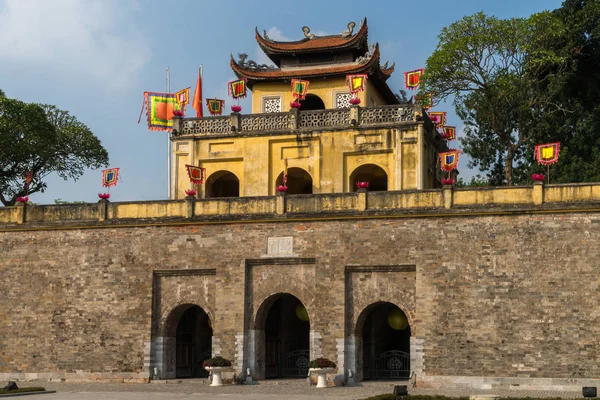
column 215, row 366
column 282, row 188
column 362, row 185
column 22, row 199
column 295, row 104
column 236, row 108
column 538, row 177
column 447, row 181
column 104, row 196
column 355, row 101
column 321, row 367
column 190, row 193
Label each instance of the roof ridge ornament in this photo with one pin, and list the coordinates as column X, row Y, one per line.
column 266, row 36
column 367, row 56
column 252, row 65
column 307, row 33
column 348, row 32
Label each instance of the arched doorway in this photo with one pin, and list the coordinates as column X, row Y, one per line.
column 191, row 328
column 375, row 175
column 222, row 184
column 284, row 353
column 383, row 342
column 312, row 102
column 299, row 181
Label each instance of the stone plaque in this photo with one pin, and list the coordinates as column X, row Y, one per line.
column 280, row 246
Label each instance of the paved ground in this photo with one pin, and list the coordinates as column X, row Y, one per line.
column 269, row 390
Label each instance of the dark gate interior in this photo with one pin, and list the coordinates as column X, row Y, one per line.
column 287, row 339
column 193, row 343
column 386, row 344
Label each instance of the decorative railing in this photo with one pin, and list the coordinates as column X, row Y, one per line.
column 264, row 122
column 206, row 125
column 339, row 117
column 294, row 120
column 386, row 114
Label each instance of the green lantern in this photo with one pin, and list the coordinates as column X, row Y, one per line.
column 397, row 320
column 301, row 312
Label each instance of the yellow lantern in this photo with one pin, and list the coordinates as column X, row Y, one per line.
column 397, row 320
column 301, row 312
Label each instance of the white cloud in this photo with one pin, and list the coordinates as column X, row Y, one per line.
column 86, row 39
column 275, row 34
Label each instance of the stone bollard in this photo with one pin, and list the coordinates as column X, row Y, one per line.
column 447, row 193
column 280, row 199
column 361, row 200
column 538, row 193
column 102, row 210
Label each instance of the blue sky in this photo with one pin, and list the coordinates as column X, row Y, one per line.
column 96, row 58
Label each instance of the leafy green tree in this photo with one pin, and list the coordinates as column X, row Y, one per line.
column 42, row 139
column 487, row 65
column 579, row 92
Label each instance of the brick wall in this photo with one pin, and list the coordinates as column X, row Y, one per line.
column 506, row 296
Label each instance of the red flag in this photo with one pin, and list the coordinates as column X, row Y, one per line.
column 197, row 103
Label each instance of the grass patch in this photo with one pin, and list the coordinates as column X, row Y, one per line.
column 22, row 390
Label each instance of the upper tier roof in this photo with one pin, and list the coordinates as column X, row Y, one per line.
column 370, row 66
column 315, row 44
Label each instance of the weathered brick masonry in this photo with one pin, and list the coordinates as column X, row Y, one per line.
column 500, row 299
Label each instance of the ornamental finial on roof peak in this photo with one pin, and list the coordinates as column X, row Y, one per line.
column 348, row 32
column 307, row 33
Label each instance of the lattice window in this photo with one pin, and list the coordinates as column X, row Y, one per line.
column 272, row 104
column 342, row 100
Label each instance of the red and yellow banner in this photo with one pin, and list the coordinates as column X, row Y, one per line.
column 449, row 160
column 449, row 132
column 182, row 98
column 356, row 83
column 197, row 175
column 299, row 88
column 438, row 118
column 159, row 110
column 110, row 177
column 412, row 79
column 215, row 106
column 547, row 154
column 238, row 89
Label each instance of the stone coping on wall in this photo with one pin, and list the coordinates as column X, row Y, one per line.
column 445, row 202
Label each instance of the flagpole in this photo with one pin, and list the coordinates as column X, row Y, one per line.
column 168, row 77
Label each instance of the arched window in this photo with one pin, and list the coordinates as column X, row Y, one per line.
column 222, row 184
column 299, row 181
column 312, row 102
column 375, row 175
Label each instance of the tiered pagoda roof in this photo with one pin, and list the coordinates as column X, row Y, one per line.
column 335, row 55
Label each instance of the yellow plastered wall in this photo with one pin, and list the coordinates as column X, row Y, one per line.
column 329, row 157
column 372, row 97
column 325, row 89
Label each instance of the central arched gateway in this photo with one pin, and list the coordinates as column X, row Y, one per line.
column 283, row 346
column 383, row 343
column 190, row 327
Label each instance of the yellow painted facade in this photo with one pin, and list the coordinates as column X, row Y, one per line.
column 406, row 154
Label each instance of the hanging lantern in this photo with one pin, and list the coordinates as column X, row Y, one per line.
column 301, row 312
column 397, row 320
